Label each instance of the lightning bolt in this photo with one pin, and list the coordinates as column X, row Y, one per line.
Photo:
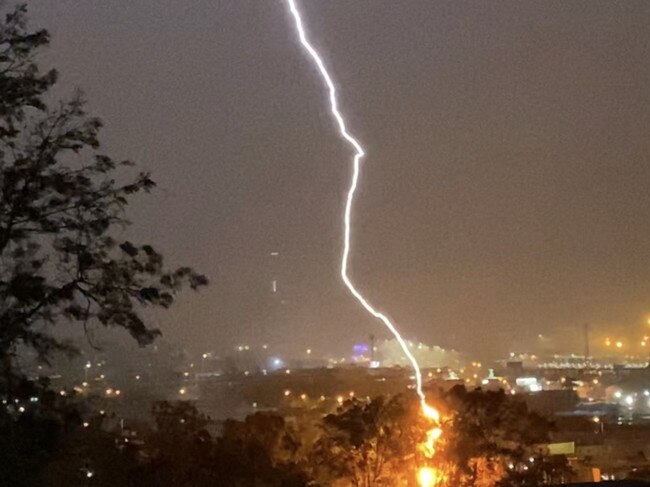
column 359, row 153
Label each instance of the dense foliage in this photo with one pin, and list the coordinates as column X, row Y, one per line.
column 490, row 440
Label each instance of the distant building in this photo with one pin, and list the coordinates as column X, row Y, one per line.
column 514, row 369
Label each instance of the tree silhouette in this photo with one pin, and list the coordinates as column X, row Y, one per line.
column 368, row 443
column 489, row 439
column 60, row 202
column 261, row 451
column 492, row 439
column 181, row 452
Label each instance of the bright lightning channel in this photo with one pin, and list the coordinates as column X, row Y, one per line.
column 358, row 155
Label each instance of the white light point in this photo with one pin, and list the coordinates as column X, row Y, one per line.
column 356, row 163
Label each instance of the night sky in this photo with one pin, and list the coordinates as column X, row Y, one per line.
column 505, row 191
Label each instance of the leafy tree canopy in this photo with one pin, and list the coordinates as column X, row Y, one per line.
column 61, row 200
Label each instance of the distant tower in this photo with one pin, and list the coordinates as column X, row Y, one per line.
column 587, row 351
column 274, row 268
column 275, row 314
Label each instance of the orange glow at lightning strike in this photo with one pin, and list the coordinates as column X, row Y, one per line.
column 426, row 475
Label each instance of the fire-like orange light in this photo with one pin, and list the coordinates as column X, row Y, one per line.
column 427, row 477
column 429, row 412
column 429, row 445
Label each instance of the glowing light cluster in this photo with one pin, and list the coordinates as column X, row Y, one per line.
column 426, row 476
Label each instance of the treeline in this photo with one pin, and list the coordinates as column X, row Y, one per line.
column 489, row 439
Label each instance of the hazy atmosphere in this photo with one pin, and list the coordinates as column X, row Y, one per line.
column 324, row 243
column 505, row 191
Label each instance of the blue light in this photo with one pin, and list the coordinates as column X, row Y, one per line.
column 360, row 348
